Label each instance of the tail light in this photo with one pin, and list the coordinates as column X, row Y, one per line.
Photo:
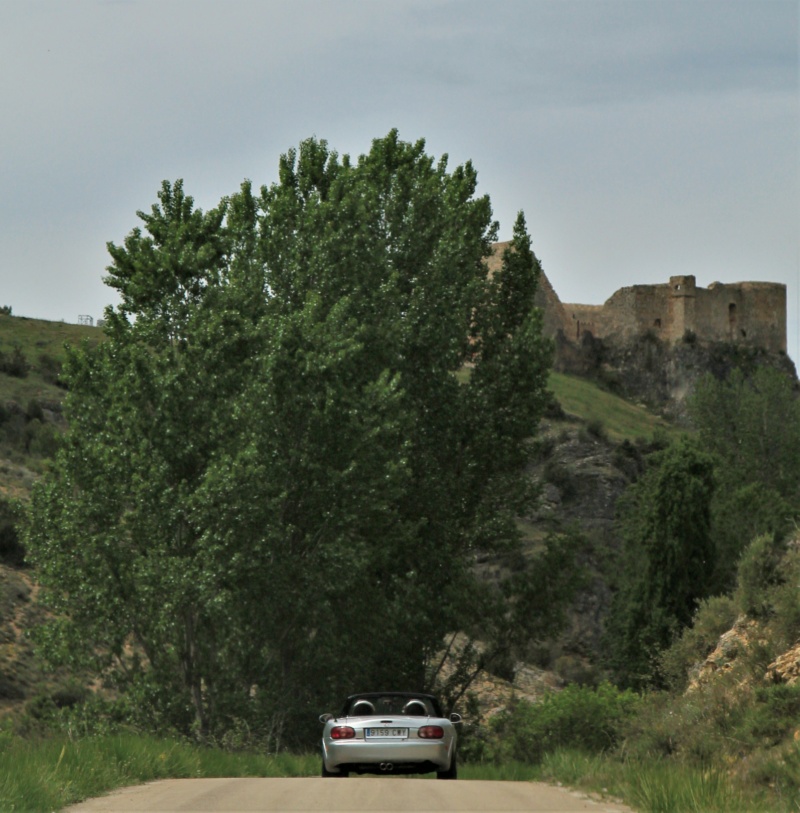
column 342, row 732
column 431, row 732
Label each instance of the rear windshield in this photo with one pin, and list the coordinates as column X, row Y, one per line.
column 391, row 704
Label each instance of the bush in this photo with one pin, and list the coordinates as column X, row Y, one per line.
column 34, row 411
column 12, row 551
column 773, row 715
column 41, row 439
column 759, row 572
column 561, row 477
column 542, row 447
column 698, row 727
column 713, row 617
column 629, row 459
column 44, row 711
column 14, row 364
column 596, row 429
column 553, row 410
column 579, row 717
column 50, row 368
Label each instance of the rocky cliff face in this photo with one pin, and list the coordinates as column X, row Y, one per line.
column 657, row 373
column 582, row 474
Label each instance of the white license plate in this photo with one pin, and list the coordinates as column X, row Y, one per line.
column 386, row 733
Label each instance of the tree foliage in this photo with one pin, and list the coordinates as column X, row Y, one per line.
column 274, row 483
column 691, row 521
column 752, row 426
column 669, row 559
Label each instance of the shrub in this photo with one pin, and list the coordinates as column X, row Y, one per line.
column 42, row 439
column 14, row 364
column 50, row 368
column 34, row 411
column 713, row 617
column 629, row 459
column 595, row 429
column 588, row 719
column 759, row 572
column 773, row 715
column 786, row 601
column 699, row 726
column 12, row 551
column 543, row 447
column 560, row 476
column 553, row 409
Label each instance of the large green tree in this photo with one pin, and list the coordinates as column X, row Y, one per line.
column 308, row 416
column 751, row 424
column 668, row 560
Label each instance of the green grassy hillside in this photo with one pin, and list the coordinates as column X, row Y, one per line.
column 32, row 352
column 619, row 418
column 31, row 355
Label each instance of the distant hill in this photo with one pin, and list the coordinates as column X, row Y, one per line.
column 32, row 352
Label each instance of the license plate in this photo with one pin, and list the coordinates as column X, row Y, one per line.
column 386, row 733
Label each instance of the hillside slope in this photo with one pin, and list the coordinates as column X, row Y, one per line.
column 32, row 352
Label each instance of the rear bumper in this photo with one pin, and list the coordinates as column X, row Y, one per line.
column 404, row 757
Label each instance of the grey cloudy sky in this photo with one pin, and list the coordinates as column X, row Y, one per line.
column 642, row 138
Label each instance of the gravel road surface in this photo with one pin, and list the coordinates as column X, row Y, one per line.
column 330, row 795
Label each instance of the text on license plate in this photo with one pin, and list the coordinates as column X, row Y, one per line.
column 395, row 733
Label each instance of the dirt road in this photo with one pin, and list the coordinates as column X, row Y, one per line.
column 330, row 795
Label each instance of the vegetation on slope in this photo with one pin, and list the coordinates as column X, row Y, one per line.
column 32, row 353
column 620, row 419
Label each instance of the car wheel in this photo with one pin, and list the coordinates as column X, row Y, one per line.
column 326, row 774
column 451, row 772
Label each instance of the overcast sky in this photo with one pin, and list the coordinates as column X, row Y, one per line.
column 641, row 138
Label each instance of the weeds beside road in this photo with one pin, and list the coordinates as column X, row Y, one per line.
column 48, row 774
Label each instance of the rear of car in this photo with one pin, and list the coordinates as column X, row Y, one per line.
column 390, row 733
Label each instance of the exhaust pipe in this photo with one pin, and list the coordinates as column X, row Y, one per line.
column 386, row 766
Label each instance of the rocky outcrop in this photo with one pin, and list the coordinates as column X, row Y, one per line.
column 657, row 373
column 723, row 658
column 786, row 668
column 733, row 645
column 582, row 475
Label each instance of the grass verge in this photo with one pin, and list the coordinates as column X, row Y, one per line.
column 652, row 787
column 48, row 774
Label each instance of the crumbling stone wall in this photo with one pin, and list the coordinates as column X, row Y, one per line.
column 748, row 313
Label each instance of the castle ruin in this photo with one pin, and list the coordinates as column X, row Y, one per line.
column 748, row 313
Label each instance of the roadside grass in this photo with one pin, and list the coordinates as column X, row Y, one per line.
column 619, row 418
column 651, row 787
column 48, row 774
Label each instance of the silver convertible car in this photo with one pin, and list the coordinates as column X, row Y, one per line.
column 390, row 732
